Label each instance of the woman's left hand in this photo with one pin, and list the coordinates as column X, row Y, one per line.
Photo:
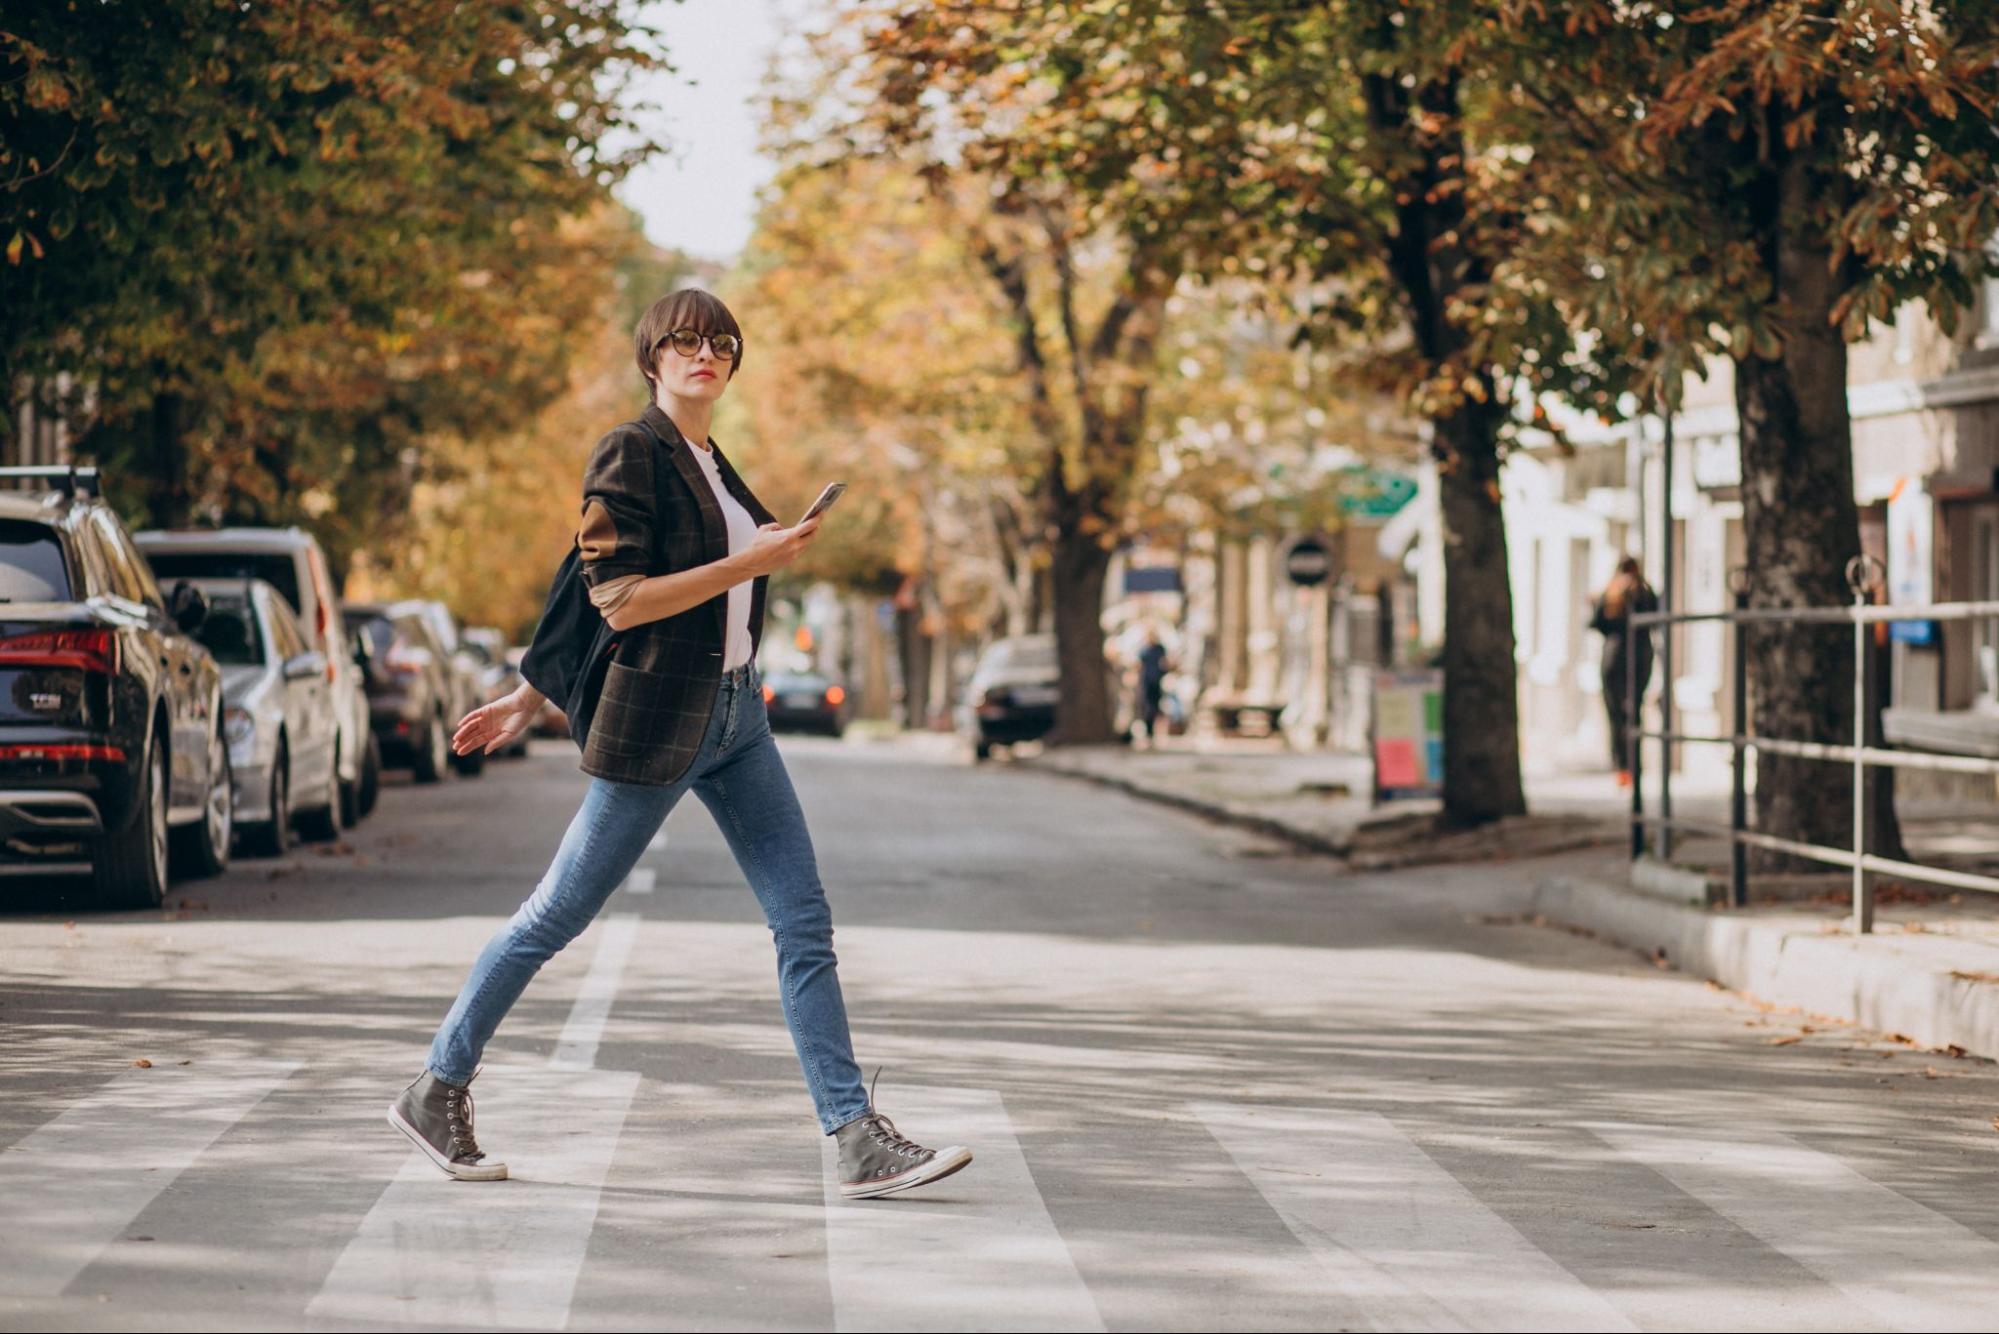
column 491, row 726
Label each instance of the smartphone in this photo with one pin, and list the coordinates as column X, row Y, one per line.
column 825, row 502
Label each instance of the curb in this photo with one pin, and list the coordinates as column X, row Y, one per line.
column 1877, row 982
column 1219, row 812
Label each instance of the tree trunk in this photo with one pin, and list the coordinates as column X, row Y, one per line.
column 168, row 463
column 1800, row 526
column 1481, row 693
column 1080, row 568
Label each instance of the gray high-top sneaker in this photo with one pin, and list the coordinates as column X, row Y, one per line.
column 877, row 1159
column 438, row 1119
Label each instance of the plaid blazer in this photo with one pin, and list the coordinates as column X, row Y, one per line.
column 648, row 509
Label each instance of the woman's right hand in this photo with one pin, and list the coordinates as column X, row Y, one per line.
column 776, row 546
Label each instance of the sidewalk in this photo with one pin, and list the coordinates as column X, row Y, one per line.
column 1929, row 974
column 1319, row 801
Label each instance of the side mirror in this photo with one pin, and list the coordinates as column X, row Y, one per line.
column 309, row 663
column 188, row 606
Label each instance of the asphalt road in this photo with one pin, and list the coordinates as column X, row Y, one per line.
column 1209, row 1085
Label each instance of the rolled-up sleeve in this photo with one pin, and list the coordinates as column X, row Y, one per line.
column 616, row 537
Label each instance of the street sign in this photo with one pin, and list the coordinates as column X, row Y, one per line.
column 1373, row 493
column 1308, row 562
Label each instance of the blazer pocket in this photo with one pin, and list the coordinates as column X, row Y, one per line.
column 631, row 713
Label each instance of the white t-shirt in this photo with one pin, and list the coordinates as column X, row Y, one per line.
column 742, row 531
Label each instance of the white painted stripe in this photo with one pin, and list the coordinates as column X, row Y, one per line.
column 577, row 1049
column 72, row 1185
column 1909, row 1266
column 658, row 843
column 975, row 1251
column 641, row 880
column 1396, row 1233
column 435, row 1252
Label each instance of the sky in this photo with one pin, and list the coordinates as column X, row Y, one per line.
column 700, row 194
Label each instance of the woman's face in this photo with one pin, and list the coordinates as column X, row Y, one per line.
column 703, row 376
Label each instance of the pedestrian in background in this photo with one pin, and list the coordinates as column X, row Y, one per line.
column 1152, row 669
column 1625, row 595
column 681, row 708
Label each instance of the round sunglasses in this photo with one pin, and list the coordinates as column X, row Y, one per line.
column 687, row 342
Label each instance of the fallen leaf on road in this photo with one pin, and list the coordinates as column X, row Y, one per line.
column 1659, row 959
column 188, row 1062
column 1995, row 1123
column 1974, row 977
column 1786, row 1041
column 1955, row 1052
column 1930, row 1072
column 143, row 1063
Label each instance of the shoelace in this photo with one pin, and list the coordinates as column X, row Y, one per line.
column 882, row 1130
column 458, row 1102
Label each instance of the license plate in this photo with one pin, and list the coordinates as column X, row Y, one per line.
column 801, row 701
column 1034, row 695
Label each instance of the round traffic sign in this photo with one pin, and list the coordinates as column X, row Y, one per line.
column 1308, row 562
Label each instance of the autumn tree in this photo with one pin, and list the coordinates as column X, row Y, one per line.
column 1335, row 145
column 281, row 245
column 1758, row 182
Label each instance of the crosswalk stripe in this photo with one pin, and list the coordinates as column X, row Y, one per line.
column 641, row 880
column 434, row 1252
column 73, row 1184
column 982, row 1256
column 577, row 1048
column 1410, row 1247
column 1909, row 1266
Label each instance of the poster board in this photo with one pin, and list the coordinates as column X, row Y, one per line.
column 1911, row 558
column 1407, row 735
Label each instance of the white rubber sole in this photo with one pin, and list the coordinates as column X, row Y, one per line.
column 456, row 1171
column 954, row 1159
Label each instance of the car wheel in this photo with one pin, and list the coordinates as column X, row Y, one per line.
column 470, row 766
column 350, row 793
column 982, row 750
column 129, row 868
column 371, row 774
column 322, row 824
column 274, row 839
column 204, row 845
column 432, row 753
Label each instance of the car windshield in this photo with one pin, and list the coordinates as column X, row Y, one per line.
column 1023, row 655
column 276, row 566
column 796, row 681
column 230, row 631
column 31, row 564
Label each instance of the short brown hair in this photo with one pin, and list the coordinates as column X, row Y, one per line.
column 688, row 308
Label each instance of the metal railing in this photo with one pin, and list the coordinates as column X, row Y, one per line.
column 1863, row 753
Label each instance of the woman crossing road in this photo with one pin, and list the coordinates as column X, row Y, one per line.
column 676, row 552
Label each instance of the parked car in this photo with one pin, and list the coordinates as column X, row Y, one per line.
column 549, row 719
column 805, row 702
column 462, row 666
column 1012, row 694
column 279, row 716
column 498, row 677
column 291, row 561
column 111, row 740
column 410, row 689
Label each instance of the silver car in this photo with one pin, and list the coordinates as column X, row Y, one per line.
column 278, row 715
column 292, row 560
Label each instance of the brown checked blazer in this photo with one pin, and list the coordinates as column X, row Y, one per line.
column 647, row 509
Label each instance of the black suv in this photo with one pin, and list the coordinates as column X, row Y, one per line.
column 110, row 712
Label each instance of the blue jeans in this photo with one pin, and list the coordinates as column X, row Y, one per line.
column 740, row 777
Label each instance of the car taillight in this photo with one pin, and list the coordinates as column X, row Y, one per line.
column 834, row 695
column 322, row 609
column 769, row 694
column 33, row 751
column 94, row 650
